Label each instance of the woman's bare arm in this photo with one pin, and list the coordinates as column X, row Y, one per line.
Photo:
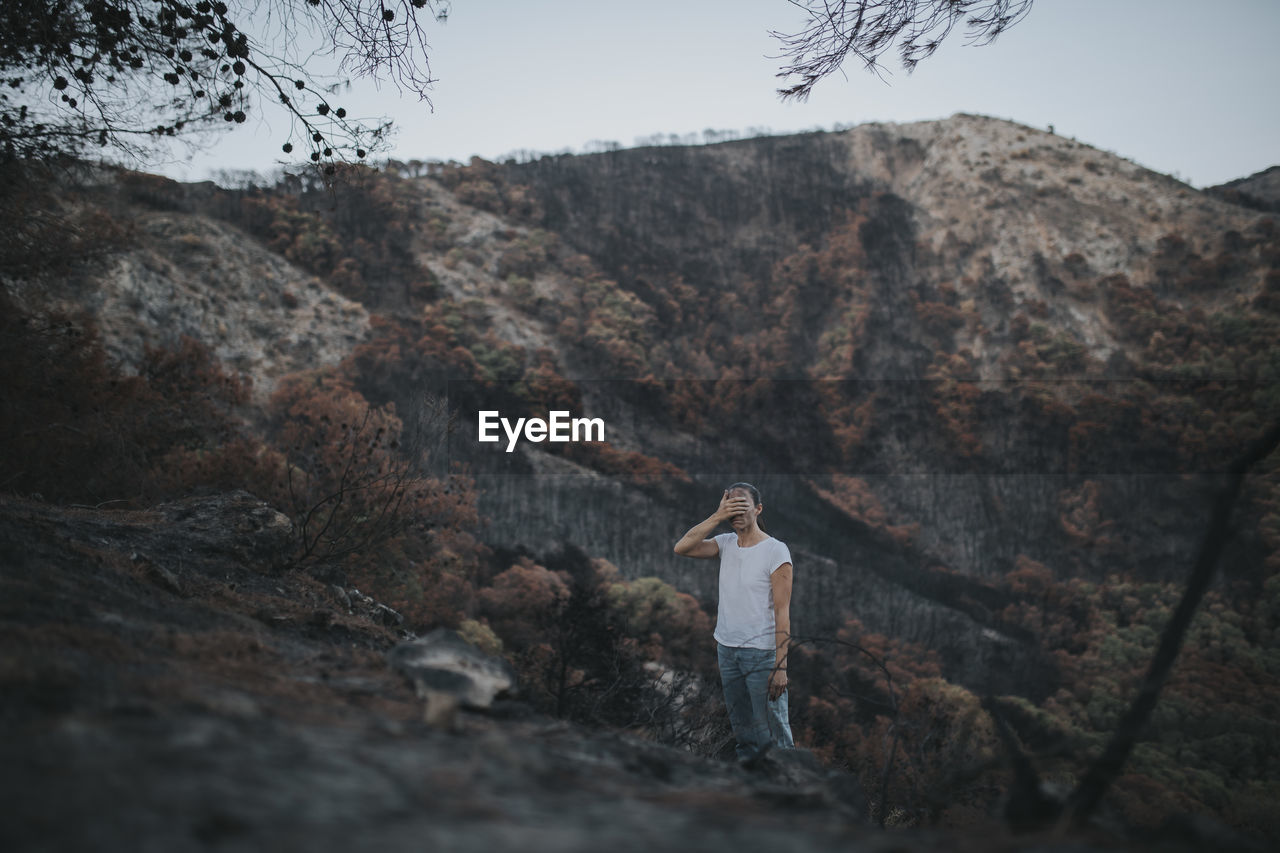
column 780, row 581
column 696, row 542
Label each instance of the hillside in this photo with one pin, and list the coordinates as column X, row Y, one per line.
column 186, row 695
column 890, row 264
column 1259, row 191
column 984, row 376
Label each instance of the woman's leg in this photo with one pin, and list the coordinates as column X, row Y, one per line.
column 757, row 664
column 739, row 679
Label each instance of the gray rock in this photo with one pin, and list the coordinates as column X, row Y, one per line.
column 373, row 610
column 449, row 673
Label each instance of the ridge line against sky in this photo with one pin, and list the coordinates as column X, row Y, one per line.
column 1180, row 87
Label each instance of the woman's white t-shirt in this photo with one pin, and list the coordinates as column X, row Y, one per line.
column 744, row 616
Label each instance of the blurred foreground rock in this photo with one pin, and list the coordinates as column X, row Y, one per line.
column 449, row 673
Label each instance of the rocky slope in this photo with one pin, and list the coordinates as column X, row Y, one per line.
column 175, row 269
column 1006, row 214
column 162, row 687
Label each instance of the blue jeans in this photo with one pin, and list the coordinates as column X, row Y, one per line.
column 756, row 720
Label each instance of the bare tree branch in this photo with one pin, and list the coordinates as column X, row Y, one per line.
column 865, row 29
column 125, row 74
column 1106, row 768
column 886, row 773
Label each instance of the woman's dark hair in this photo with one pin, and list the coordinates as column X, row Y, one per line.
column 755, row 493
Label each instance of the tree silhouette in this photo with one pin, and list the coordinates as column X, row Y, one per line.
column 867, row 28
column 123, row 74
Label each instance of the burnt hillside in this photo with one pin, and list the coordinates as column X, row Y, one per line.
column 986, row 378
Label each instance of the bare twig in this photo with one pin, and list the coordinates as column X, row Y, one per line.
column 886, row 773
column 865, row 29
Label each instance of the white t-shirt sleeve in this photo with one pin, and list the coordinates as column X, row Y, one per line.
column 781, row 554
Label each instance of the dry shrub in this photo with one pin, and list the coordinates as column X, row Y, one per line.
column 76, row 428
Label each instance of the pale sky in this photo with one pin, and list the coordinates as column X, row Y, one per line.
column 1180, row 87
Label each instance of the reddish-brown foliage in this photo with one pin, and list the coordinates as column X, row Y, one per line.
column 854, row 496
column 628, row 465
column 76, row 428
column 361, row 241
column 353, row 479
column 955, row 397
column 483, row 185
column 522, row 603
